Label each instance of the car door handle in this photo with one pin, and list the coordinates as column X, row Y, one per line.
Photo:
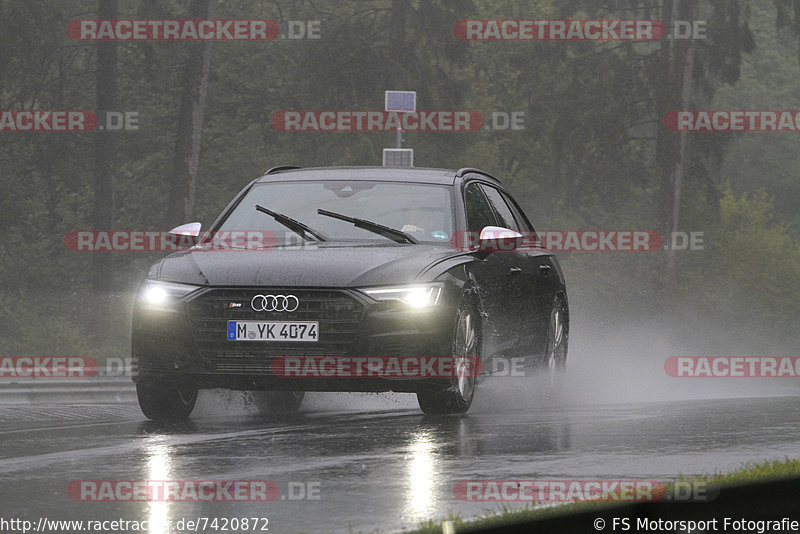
column 515, row 270
column 544, row 269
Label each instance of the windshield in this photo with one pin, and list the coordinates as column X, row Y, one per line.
column 424, row 211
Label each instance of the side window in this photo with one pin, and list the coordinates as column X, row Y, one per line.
column 505, row 217
column 522, row 221
column 479, row 213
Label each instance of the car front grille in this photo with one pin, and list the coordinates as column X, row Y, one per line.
column 339, row 315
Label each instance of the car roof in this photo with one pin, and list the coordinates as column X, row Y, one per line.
column 388, row 174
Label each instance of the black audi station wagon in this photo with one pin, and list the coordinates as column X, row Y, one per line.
column 364, row 279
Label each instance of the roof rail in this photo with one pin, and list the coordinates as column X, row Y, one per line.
column 466, row 170
column 280, row 168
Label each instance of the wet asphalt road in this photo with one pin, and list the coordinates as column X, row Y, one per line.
column 374, row 462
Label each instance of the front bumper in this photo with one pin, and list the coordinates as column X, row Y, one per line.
column 188, row 344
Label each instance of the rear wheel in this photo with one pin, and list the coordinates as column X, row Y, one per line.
column 457, row 396
column 554, row 360
column 163, row 401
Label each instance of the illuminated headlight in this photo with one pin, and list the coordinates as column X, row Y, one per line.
column 415, row 296
column 161, row 295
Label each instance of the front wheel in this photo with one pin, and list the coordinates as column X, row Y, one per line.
column 161, row 401
column 457, row 396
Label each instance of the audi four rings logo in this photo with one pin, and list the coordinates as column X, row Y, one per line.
column 270, row 303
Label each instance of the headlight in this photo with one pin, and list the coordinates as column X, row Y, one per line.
column 161, row 295
column 415, row 296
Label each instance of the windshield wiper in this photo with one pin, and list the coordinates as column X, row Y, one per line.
column 394, row 234
column 303, row 230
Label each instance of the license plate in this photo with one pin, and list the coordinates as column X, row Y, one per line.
column 273, row 331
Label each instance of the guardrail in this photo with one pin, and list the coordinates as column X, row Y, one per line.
column 39, row 390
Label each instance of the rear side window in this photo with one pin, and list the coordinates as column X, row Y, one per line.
column 518, row 216
column 504, row 215
column 479, row 212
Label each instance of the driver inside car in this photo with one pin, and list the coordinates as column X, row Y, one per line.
column 420, row 221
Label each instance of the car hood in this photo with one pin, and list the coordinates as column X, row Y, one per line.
column 321, row 265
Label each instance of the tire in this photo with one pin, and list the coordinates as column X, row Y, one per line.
column 553, row 363
column 161, row 401
column 278, row 402
column 456, row 397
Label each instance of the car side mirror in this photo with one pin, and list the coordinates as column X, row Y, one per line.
column 190, row 230
column 497, row 238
